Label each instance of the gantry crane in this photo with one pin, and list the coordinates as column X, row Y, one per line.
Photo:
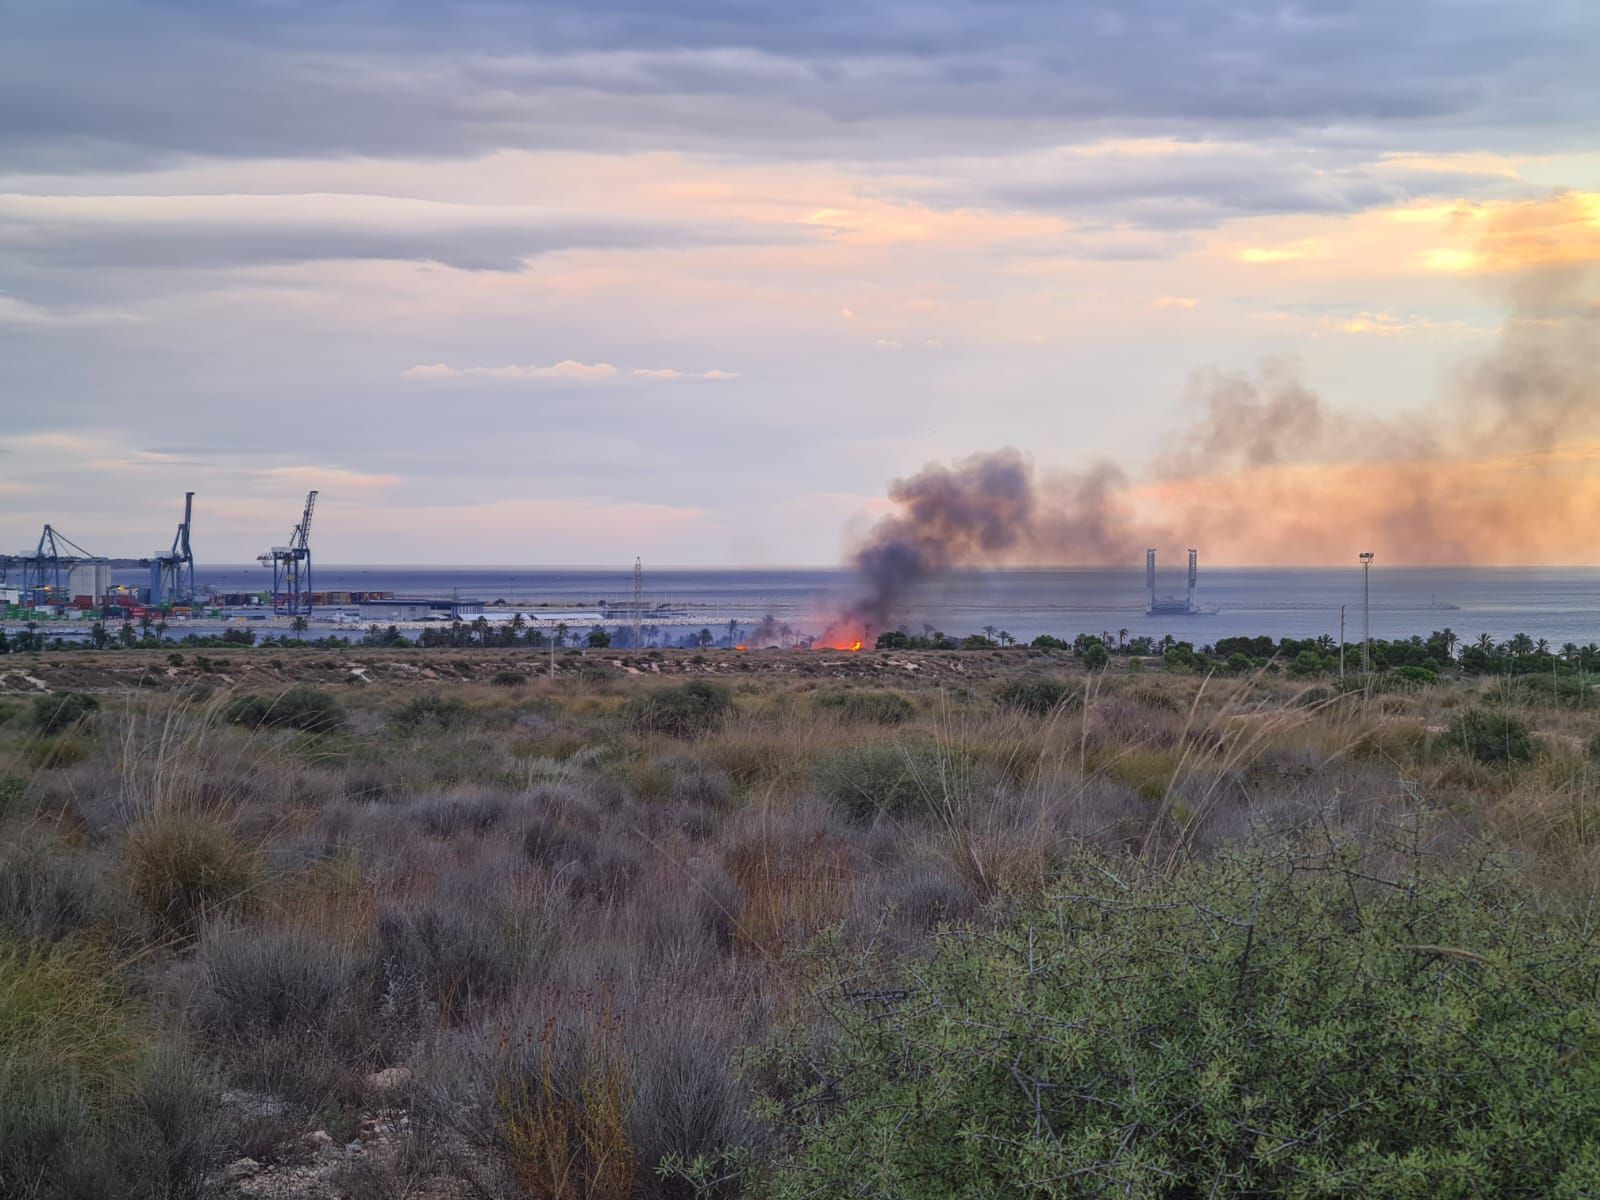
column 172, row 573
column 46, row 574
column 291, row 567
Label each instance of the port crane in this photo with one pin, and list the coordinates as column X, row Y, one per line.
column 172, row 573
column 46, row 574
column 291, row 567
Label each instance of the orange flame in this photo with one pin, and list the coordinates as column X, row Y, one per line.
column 852, row 647
column 741, row 646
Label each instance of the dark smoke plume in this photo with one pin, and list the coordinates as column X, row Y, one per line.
column 1506, row 469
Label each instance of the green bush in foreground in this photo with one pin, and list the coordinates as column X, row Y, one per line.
column 302, row 708
column 867, row 706
column 423, row 712
column 59, row 713
column 1492, row 736
column 1245, row 1029
column 1039, row 695
column 682, row 711
column 88, row 1107
column 895, row 778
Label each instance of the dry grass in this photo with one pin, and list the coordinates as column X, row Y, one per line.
column 540, row 851
column 567, row 1130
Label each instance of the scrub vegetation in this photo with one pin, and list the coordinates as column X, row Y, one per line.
column 903, row 923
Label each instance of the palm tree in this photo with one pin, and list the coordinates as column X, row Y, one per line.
column 1520, row 644
column 480, row 627
column 1543, row 647
column 1005, row 638
column 161, row 629
column 1486, row 643
column 298, row 625
column 561, row 633
column 1569, row 652
column 1122, row 636
column 1450, row 639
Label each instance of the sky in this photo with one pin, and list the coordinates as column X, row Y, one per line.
column 540, row 282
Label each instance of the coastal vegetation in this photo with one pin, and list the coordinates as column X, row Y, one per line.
column 385, row 921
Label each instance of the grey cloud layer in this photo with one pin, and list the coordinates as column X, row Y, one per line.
column 87, row 83
column 111, row 232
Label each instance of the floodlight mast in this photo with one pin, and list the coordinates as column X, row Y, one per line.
column 1366, row 611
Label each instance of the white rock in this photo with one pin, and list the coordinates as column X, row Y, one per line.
column 389, row 1079
column 319, row 1140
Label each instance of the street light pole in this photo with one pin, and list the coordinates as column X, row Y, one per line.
column 1366, row 612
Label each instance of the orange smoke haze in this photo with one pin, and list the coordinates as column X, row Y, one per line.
column 1503, row 470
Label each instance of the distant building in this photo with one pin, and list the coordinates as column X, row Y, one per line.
column 382, row 611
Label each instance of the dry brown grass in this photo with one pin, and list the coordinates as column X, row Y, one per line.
column 566, row 1142
column 792, row 886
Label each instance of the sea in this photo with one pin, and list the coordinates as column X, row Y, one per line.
column 1559, row 604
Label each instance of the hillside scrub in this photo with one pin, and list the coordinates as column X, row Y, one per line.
column 1492, row 736
column 682, row 711
column 306, row 709
column 594, row 916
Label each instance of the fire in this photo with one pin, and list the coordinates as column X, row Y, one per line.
column 837, row 644
column 741, row 646
column 846, row 633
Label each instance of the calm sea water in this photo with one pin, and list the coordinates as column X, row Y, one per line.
column 1561, row 604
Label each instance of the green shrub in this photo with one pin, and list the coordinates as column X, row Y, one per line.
column 304, row 708
column 1240, row 1029
column 1492, row 736
column 51, row 753
column 66, row 1050
column 16, row 798
column 9, row 713
column 683, row 711
column 1039, row 695
column 48, row 891
column 1565, row 691
column 184, row 869
column 428, row 712
column 59, row 713
column 897, row 778
column 1416, row 676
column 1096, row 656
column 867, row 706
column 508, row 679
column 87, row 1108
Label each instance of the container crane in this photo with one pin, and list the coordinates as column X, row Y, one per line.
column 291, row 567
column 47, row 572
column 172, row 573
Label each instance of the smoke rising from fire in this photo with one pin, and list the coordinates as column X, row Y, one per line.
column 1504, row 470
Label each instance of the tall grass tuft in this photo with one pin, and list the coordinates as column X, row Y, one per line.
column 185, row 869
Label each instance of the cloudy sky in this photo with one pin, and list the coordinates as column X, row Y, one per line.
column 557, row 282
